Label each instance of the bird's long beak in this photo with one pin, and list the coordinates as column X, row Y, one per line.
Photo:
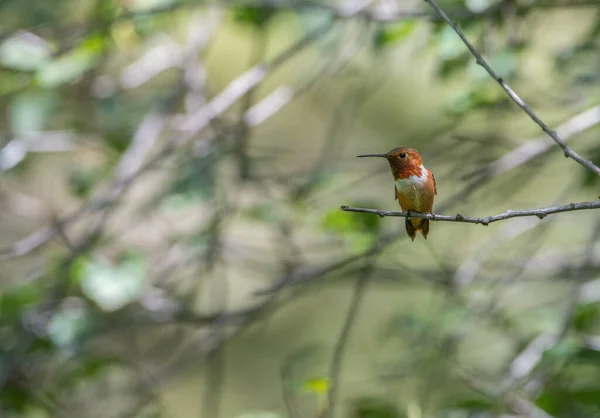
column 373, row 155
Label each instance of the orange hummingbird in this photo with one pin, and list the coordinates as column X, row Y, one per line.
column 415, row 186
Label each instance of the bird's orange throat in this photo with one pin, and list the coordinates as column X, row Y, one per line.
column 404, row 171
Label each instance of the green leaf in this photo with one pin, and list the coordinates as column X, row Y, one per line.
column 474, row 404
column 15, row 398
column 259, row 414
column 78, row 269
column 82, row 179
column 29, row 112
column 73, row 64
column 451, row 66
column 394, row 33
column 590, row 179
column 317, row 385
column 68, row 326
column 360, row 242
column 11, row 82
column 450, row 46
column 559, row 354
column 504, row 64
column 480, row 97
column 24, row 51
column 112, row 287
column 313, row 18
column 346, row 222
column 17, row 299
column 146, row 5
column 194, row 181
column 562, row 401
column 257, row 16
column 478, row 6
column 265, row 212
column 371, row 407
column 586, row 316
column 586, row 356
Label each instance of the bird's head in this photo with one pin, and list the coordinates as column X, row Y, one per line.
column 404, row 161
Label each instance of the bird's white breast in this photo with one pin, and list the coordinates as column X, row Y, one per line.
column 412, row 183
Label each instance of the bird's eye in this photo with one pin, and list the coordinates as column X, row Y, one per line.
column 402, row 155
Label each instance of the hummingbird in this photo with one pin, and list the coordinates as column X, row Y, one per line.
column 414, row 186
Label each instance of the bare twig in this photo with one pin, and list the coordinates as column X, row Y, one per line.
column 533, row 148
column 340, row 346
column 540, row 213
column 569, row 153
column 192, row 124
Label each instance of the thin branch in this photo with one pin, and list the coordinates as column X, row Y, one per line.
column 569, row 153
column 192, row 125
column 533, row 148
column 540, row 213
column 340, row 346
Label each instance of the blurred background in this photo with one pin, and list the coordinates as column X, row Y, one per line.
column 171, row 243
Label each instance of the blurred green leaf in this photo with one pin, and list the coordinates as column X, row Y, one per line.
column 311, row 19
column 360, row 242
column 78, row 269
column 316, row 385
column 337, row 221
column 394, row 33
column 587, row 355
column 14, row 301
column 259, row 414
column 16, row 398
column 194, row 180
column 561, row 401
column 482, row 96
column 450, row 46
column 82, row 179
column 586, row 317
column 303, row 362
column 24, row 51
column 314, row 18
column 451, row 66
column 359, row 231
column 402, row 325
column 265, row 211
column 11, row 82
column 257, row 16
column 558, row 355
column 29, row 112
column 67, row 326
column 12, row 154
column 116, row 140
column 479, row 404
column 114, row 286
column 371, row 407
column 73, row 64
column 145, row 5
column 478, row 6
column 343, row 222
column 504, row 64
column 590, row 179
column 93, row 366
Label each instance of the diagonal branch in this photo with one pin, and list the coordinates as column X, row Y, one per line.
column 533, row 148
column 540, row 213
column 569, row 153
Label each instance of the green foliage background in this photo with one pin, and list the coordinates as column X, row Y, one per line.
column 150, row 270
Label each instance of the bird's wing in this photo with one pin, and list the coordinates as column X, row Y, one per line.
column 395, row 193
column 434, row 185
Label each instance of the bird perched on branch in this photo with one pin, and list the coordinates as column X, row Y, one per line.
column 415, row 186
